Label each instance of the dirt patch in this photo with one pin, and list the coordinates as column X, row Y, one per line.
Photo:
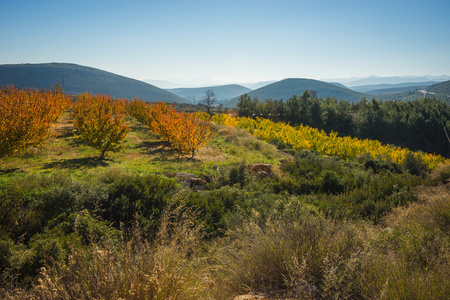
column 209, row 154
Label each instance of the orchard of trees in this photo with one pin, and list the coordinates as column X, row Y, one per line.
column 418, row 125
column 186, row 132
column 100, row 121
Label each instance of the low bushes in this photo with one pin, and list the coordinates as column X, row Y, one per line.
column 321, row 227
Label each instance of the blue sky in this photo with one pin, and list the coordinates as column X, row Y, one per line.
column 231, row 41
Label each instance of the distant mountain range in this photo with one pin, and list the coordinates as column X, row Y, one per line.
column 257, row 85
column 223, row 92
column 374, row 80
column 376, row 89
column 174, row 83
column 76, row 79
column 439, row 91
column 286, row 88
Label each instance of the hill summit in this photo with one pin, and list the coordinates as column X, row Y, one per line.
column 284, row 89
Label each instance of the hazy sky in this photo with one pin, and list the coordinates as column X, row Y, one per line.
column 231, row 41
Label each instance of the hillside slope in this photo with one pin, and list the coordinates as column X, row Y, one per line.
column 376, row 89
column 223, row 92
column 284, row 89
column 375, row 80
column 440, row 88
column 76, row 79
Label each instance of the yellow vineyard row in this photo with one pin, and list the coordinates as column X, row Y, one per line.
column 305, row 137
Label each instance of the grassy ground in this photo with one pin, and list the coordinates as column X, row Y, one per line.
column 143, row 152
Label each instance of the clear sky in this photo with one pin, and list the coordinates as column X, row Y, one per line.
column 231, row 41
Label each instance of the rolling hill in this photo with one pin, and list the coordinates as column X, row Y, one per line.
column 442, row 88
column 374, row 80
column 284, row 89
column 223, row 92
column 76, row 79
column 375, row 89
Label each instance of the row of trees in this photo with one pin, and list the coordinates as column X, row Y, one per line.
column 309, row 138
column 418, row 125
column 100, row 121
column 186, row 132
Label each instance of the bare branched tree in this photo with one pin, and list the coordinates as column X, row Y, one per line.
column 209, row 100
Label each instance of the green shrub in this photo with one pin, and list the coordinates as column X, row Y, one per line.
column 379, row 165
column 29, row 203
column 298, row 186
column 136, row 196
column 331, row 183
column 414, row 164
column 283, row 146
column 218, row 209
column 6, row 245
column 231, row 175
column 214, row 205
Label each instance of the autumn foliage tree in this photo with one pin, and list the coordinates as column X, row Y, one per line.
column 186, row 132
column 138, row 109
column 100, row 122
column 156, row 121
column 26, row 117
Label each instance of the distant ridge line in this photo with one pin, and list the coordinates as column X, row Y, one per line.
column 80, row 79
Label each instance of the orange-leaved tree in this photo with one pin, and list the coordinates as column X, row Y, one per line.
column 138, row 109
column 157, row 121
column 186, row 132
column 26, row 117
column 100, row 122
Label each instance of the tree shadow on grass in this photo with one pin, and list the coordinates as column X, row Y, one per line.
column 157, row 148
column 8, row 171
column 77, row 163
column 162, row 151
column 139, row 128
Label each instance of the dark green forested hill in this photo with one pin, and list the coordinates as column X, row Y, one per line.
column 77, row 79
column 223, row 92
column 284, row 89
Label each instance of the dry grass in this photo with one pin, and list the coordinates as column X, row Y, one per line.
column 296, row 256
column 411, row 258
column 171, row 266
